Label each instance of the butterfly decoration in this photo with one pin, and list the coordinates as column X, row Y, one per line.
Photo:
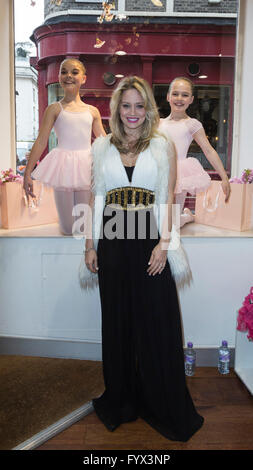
column 120, row 17
column 57, row 2
column 98, row 43
column 157, row 3
column 136, row 36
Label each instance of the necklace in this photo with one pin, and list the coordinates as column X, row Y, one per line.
column 130, row 154
column 129, row 157
column 127, row 160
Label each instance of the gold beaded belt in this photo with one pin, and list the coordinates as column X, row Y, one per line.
column 130, row 198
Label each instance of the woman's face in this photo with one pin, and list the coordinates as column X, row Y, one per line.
column 180, row 96
column 132, row 109
column 71, row 75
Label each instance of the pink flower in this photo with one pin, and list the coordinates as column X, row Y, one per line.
column 248, row 301
column 247, row 176
column 235, row 180
column 245, row 315
column 250, row 335
column 9, row 176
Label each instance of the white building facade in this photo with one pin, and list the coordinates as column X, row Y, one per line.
column 26, row 88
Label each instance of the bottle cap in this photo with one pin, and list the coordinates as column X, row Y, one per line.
column 224, row 343
column 189, row 345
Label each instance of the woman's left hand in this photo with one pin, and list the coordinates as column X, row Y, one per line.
column 226, row 189
column 157, row 260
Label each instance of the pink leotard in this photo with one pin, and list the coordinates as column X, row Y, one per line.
column 68, row 166
column 191, row 177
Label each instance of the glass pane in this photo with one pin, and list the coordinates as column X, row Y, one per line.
column 212, row 107
column 55, row 93
column 27, row 112
column 26, row 18
column 160, row 40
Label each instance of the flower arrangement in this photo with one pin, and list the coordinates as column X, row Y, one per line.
column 247, row 177
column 8, row 176
column 245, row 316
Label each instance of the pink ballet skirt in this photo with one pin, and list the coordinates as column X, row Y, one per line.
column 65, row 169
column 191, row 176
column 68, row 166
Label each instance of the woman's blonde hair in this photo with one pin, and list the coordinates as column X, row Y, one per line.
column 150, row 125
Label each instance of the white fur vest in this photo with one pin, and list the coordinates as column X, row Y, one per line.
column 151, row 172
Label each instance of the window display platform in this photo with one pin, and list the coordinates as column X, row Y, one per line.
column 45, row 312
column 189, row 230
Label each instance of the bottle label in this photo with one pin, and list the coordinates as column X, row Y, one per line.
column 189, row 359
column 225, row 357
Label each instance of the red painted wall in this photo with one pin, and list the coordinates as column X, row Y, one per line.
column 157, row 52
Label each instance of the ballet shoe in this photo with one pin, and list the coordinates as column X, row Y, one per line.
column 187, row 211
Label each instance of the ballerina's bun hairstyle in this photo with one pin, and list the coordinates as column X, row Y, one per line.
column 73, row 59
column 185, row 79
column 151, row 122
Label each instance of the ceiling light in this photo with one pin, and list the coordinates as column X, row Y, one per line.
column 120, row 53
column 202, row 76
column 119, row 75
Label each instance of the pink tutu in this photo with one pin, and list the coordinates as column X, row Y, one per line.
column 65, row 169
column 191, row 176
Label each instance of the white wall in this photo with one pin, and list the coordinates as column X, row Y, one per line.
column 242, row 156
column 40, row 293
column 7, row 97
column 38, row 302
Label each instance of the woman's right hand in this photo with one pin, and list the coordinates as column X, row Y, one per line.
column 28, row 186
column 91, row 260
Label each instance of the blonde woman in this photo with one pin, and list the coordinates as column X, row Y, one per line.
column 135, row 169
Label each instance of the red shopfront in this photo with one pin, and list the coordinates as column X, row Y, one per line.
column 158, row 52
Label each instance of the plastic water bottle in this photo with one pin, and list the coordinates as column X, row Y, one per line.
column 189, row 359
column 224, row 358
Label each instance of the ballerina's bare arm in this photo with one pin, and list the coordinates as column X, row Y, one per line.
column 97, row 126
column 213, row 157
column 39, row 145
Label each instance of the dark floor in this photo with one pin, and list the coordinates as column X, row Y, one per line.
column 223, row 400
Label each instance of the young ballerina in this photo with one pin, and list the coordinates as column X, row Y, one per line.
column 67, row 168
column 182, row 130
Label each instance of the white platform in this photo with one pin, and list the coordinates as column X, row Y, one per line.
column 244, row 359
column 189, row 230
column 42, row 302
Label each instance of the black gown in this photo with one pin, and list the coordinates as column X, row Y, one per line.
column 142, row 351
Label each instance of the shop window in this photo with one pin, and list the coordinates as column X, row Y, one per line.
column 88, row 1
column 211, row 106
column 55, row 93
